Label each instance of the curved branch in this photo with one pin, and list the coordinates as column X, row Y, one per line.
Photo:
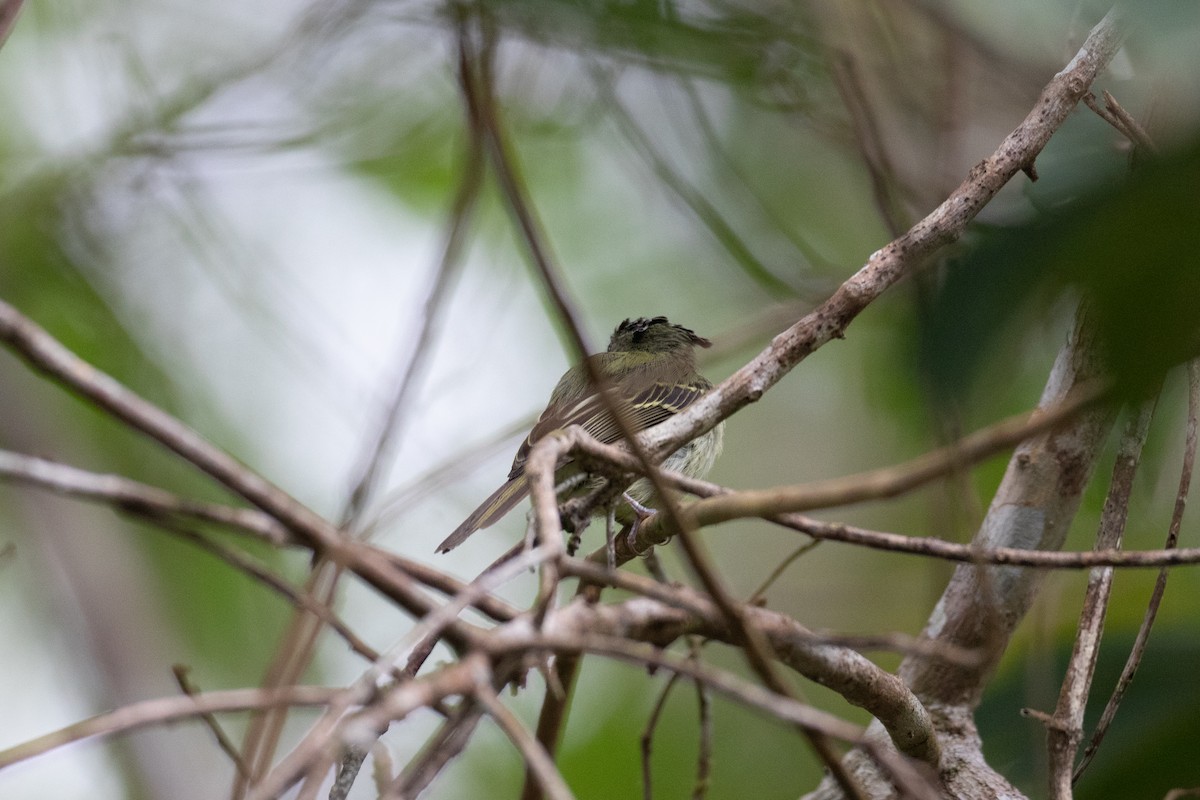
column 904, row 255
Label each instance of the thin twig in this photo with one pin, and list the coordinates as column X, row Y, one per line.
column 44, row 353
column 1132, row 128
column 704, row 749
column 537, row 760
column 300, row 600
column 288, row 662
column 180, row 672
column 479, row 87
column 903, row 255
column 1063, row 736
column 798, row 715
column 646, row 740
column 438, row 750
column 384, row 442
column 431, row 625
column 167, row 709
column 870, row 141
column 1115, row 115
column 690, row 195
column 541, row 474
column 1000, row 556
column 1160, row 585
column 696, row 602
column 887, row 482
column 759, row 594
column 379, row 709
column 134, row 497
column 300, row 645
column 9, row 9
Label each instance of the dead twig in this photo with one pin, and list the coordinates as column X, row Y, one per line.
column 1062, row 738
column 1160, row 585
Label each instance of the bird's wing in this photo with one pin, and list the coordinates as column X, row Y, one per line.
column 644, row 409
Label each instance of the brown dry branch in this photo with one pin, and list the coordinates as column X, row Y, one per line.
column 133, row 497
column 299, row 600
column 1059, row 460
column 538, row 761
column 704, row 747
column 460, row 218
column 9, row 9
column 646, row 740
column 697, row 603
column 541, row 465
column 858, row 488
column 992, row 554
column 842, row 670
column 913, row 781
column 298, row 644
column 438, row 751
column 323, row 746
column 858, row 680
column 1065, row 730
column 981, row 606
column 543, row 459
column 1115, row 115
column 384, row 443
column 1160, row 584
column 320, row 740
column 703, row 724
column 182, row 677
column 165, row 710
column 611, row 630
column 47, row 355
column 888, row 482
column 902, row 256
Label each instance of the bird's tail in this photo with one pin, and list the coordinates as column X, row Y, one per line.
column 491, row 510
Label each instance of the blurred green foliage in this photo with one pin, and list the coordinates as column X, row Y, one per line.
column 1128, row 248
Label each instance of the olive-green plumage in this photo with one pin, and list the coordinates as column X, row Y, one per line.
column 651, row 366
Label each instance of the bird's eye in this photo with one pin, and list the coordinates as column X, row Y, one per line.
column 638, row 335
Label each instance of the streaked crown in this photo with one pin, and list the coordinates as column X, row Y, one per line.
column 653, row 335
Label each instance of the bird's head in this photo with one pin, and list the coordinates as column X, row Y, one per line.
column 653, row 335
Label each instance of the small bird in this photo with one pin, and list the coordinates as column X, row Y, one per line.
column 650, row 366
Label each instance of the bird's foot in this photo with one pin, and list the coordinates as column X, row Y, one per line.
column 641, row 513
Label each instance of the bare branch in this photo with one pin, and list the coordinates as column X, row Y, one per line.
column 9, row 9
column 890, row 481
column 646, row 740
column 461, row 214
column 168, row 709
column 301, row 600
column 1160, row 585
column 44, row 353
column 704, row 749
column 1064, row 734
column 438, row 750
column 903, row 255
column 1115, row 114
column 536, row 758
column 131, row 496
column 180, row 672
